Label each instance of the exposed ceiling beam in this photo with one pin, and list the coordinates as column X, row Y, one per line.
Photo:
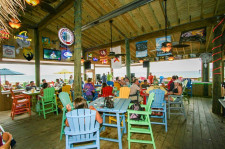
column 187, row 26
column 128, row 7
column 60, row 10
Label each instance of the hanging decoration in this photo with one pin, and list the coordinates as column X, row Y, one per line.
column 22, row 40
column 66, row 36
column 217, row 46
column 103, row 55
column 10, row 9
column 28, row 53
column 161, row 48
column 142, row 49
column 15, row 23
column 33, row 2
column 116, row 62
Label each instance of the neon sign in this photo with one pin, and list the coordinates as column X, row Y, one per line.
column 4, row 34
column 95, row 59
column 23, row 36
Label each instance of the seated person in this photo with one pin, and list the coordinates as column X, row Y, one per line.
column 127, row 82
column 45, row 85
column 177, row 90
column 30, row 86
column 145, row 84
column 117, row 83
column 133, row 89
column 170, row 85
column 18, row 86
column 57, row 83
column 43, row 81
column 89, row 89
column 81, row 103
column 7, row 86
column 60, row 90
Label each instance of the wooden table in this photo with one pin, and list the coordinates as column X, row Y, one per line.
column 33, row 98
column 120, row 108
column 222, row 101
column 14, row 91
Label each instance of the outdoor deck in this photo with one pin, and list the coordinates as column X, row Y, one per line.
column 202, row 130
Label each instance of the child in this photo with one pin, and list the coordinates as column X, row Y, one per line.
column 80, row 103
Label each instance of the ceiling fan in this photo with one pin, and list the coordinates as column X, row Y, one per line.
column 167, row 44
column 113, row 54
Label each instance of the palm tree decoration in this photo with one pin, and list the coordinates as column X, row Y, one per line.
column 9, row 10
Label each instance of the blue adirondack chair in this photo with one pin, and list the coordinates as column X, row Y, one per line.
column 110, row 83
column 48, row 98
column 82, row 128
column 159, row 105
column 65, row 99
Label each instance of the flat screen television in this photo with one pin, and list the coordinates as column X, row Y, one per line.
column 194, row 35
column 52, row 54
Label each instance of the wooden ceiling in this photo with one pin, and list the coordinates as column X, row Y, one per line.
column 144, row 23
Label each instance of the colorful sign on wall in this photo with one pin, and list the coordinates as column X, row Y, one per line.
column 159, row 42
column 142, row 49
column 103, row 56
column 66, row 54
column 28, row 53
column 22, row 39
column 8, row 51
column 66, row 36
column 46, row 42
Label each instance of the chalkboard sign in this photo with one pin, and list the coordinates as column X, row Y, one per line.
column 142, row 49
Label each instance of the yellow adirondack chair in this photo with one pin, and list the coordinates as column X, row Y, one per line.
column 67, row 89
column 124, row 93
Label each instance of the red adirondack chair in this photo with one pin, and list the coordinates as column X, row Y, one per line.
column 107, row 91
column 20, row 104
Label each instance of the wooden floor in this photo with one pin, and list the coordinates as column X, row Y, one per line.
column 201, row 130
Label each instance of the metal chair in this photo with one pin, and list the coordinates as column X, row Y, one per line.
column 82, row 128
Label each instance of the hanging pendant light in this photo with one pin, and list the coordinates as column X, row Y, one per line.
column 33, row 2
column 14, row 23
column 171, row 58
column 141, row 61
column 166, row 46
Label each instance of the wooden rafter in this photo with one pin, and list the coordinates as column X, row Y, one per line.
column 176, row 11
column 60, row 10
column 209, row 34
column 154, row 16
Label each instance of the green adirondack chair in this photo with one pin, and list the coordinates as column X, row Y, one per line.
column 65, row 99
column 48, row 102
column 145, row 121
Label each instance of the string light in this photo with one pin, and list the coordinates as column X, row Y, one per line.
column 217, row 46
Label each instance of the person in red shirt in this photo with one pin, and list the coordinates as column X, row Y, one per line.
column 150, row 78
column 170, row 85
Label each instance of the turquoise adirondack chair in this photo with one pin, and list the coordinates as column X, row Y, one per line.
column 65, row 99
column 82, row 128
column 48, row 102
column 144, row 121
column 159, row 105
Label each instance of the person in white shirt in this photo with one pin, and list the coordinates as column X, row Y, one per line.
column 133, row 89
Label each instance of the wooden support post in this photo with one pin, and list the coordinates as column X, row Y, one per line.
column 205, row 78
column 84, row 70
column 37, row 57
column 127, row 43
column 217, row 71
column 77, row 48
column 148, row 71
